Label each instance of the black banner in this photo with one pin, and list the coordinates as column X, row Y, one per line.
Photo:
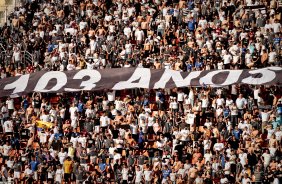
column 127, row 78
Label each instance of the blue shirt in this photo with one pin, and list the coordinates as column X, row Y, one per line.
column 236, row 133
column 80, row 107
column 189, row 67
column 166, row 173
column 191, row 25
column 198, row 64
column 226, row 112
column 34, row 165
column 140, row 137
column 277, row 40
column 25, row 104
column 50, row 47
column 102, row 166
column 146, row 102
column 161, row 96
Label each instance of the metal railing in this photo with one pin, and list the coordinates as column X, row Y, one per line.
column 27, row 57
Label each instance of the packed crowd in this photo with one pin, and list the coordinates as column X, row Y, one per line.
column 168, row 136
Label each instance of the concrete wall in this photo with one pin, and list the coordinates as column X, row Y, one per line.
column 6, row 7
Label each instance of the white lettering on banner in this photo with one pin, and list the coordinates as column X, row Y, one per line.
column 18, row 85
column 274, row 68
column 44, row 80
column 267, row 76
column 141, row 74
column 232, row 77
column 176, row 77
column 94, row 75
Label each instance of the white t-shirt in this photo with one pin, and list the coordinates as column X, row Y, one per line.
column 73, row 110
column 59, row 175
column 240, row 102
column 220, row 101
column 45, row 117
column 8, row 126
column 124, row 173
column 265, row 116
column 227, row 58
column 89, row 113
column 73, row 140
column 173, row 105
column 180, row 97
column 139, row 34
column 190, row 119
column 138, row 176
column 43, row 137
column 6, row 149
column 82, row 140
column 111, row 96
column 62, row 156
column 207, row 157
column 228, row 102
column 271, row 56
column 205, row 103
column 127, row 31
column 104, row 121
column 276, row 27
column 119, row 105
column 4, row 112
column 267, row 158
column 10, row 104
column 148, row 175
column 117, row 157
column 243, row 158
column 74, row 121
column 218, row 146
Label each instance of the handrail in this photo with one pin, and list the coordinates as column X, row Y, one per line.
column 2, row 47
column 27, row 56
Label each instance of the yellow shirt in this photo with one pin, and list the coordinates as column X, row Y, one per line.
column 67, row 166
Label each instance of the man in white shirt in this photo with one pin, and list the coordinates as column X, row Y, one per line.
column 138, row 175
column 6, row 150
column 10, row 105
column 62, row 155
column 241, row 103
column 73, row 109
column 104, row 122
column 227, row 58
column 124, row 174
column 218, row 146
column 8, row 127
column 148, row 176
column 276, row 26
column 118, row 104
column 265, row 115
column 111, row 96
column 266, row 158
column 220, row 101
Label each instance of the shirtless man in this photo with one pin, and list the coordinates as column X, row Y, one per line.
column 157, row 64
column 15, row 22
column 192, row 174
column 144, row 26
column 60, row 13
column 168, row 19
column 100, row 32
column 178, row 65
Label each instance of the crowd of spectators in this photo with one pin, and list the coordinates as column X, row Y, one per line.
column 190, row 135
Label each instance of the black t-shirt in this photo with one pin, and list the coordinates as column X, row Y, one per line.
column 151, row 152
column 37, row 103
column 115, row 134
